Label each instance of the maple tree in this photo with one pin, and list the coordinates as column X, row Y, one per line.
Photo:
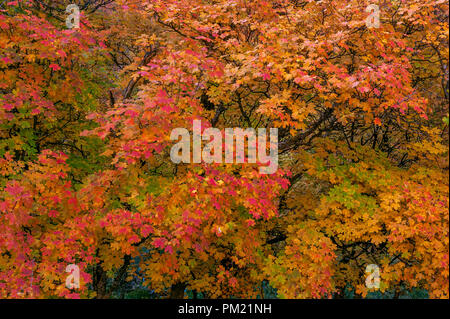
column 86, row 176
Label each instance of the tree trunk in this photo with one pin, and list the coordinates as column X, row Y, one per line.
column 177, row 290
column 100, row 282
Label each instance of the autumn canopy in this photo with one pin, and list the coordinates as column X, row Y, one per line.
column 86, row 177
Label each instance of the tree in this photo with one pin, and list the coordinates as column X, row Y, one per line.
column 87, row 177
